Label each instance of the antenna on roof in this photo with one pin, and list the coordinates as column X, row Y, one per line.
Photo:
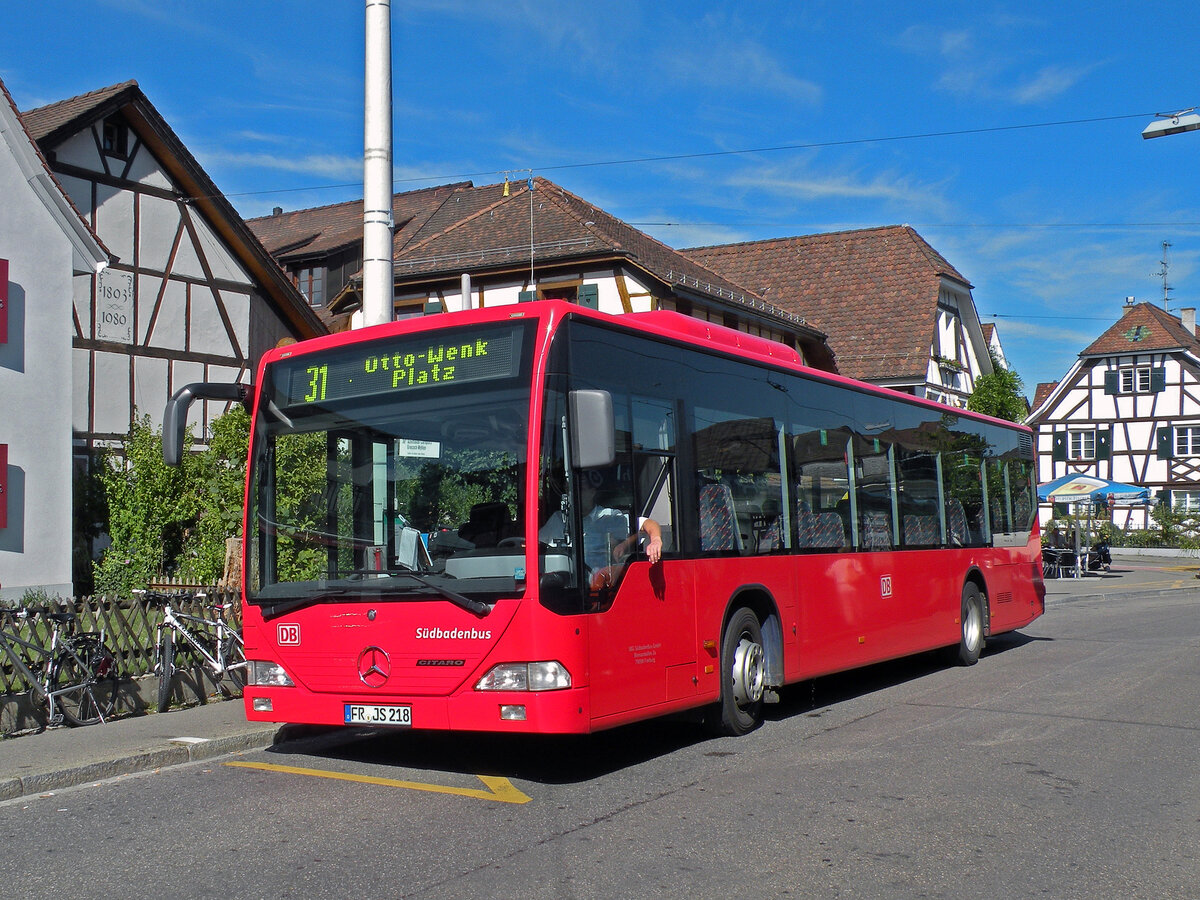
column 1164, row 264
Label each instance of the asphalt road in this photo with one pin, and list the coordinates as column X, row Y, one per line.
column 1063, row 765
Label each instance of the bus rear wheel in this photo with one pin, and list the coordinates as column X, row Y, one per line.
column 970, row 642
column 743, row 677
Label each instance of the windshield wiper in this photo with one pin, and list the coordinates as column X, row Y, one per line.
column 273, row 610
column 461, row 600
column 283, row 607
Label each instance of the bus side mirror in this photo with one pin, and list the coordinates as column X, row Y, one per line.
column 175, row 415
column 593, row 429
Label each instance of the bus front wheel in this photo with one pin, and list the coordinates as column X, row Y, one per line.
column 743, row 677
column 970, row 642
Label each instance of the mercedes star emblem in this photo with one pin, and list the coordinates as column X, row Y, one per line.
column 374, row 667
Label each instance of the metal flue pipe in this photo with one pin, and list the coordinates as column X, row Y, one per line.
column 378, row 224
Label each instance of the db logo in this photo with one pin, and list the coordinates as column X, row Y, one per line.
column 289, row 635
column 885, row 590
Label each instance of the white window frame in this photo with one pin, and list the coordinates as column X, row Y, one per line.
column 1185, row 501
column 1136, row 379
column 1187, row 440
column 1081, row 444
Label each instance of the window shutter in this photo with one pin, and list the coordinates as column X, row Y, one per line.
column 433, row 306
column 1158, row 380
column 1112, row 382
column 1058, row 451
column 1164, row 497
column 1166, row 442
column 526, row 297
column 1104, row 443
column 589, row 296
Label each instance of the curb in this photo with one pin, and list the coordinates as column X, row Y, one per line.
column 12, row 788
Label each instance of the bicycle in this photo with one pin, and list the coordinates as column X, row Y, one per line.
column 76, row 674
column 217, row 642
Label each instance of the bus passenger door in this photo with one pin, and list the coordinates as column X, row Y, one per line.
column 643, row 647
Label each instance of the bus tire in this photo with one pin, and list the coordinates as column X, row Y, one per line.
column 970, row 617
column 743, row 677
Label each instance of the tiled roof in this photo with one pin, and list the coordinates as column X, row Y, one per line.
column 1144, row 328
column 1044, row 390
column 458, row 228
column 45, row 120
column 478, row 227
column 316, row 232
column 886, row 278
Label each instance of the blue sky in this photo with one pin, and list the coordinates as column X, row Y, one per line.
column 1007, row 134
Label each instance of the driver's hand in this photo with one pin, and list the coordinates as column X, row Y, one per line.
column 654, row 550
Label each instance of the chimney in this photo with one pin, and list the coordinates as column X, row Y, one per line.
column 1129, row 301
column 1187, row 315
column 277, row 211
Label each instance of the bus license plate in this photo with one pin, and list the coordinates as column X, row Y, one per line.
column 369, row 714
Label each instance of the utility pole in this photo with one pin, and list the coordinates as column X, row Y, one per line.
column 378, row 223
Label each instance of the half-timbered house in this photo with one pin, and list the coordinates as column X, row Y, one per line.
column 1129, row 411
column 191, row 295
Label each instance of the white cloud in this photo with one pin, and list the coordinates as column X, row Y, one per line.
column 897, row 191
column 1048, row 83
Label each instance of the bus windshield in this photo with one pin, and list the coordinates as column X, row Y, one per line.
column 391, row 470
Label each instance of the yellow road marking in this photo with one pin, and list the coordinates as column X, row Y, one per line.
column 499, row 789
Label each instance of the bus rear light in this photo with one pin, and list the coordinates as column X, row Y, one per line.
column 268, row 674
column 534, row 676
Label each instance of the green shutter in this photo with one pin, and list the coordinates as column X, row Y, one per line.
column 1112, row 382
column 1166, row 442
column 526, row 297
column 1058, row 451
column 1104, row 443
column 589, row 296
column 1158, row 380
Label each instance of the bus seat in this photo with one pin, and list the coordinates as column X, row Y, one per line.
column 486, row 524
column 823, row 530
column 956, row 523
column 718, row 519
column 920, row 531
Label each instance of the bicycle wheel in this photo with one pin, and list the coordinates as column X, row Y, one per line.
column 235, row 662
column 166, row 669
column 84, row 681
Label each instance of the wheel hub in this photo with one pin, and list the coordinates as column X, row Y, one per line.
column 749, row 677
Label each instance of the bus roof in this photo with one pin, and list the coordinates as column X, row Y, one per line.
column 665, row 324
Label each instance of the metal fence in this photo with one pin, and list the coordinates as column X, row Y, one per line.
column 129, row 626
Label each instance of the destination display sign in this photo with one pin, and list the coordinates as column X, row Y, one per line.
column 408, row 363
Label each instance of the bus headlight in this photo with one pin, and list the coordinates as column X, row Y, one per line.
column 534, row 676
column 267, row 674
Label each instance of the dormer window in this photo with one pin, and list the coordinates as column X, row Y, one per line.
column 311, row 282
column 115, row 140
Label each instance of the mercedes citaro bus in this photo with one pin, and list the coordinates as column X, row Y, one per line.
column 446, row 517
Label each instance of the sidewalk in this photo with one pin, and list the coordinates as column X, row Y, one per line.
column 63, row 757
column 1131, row 573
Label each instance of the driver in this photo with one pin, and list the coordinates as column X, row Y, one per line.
column 606, row 538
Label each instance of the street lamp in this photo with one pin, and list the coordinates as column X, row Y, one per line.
column 1172, row 123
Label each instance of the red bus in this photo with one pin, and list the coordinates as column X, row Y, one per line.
column 447, row 519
